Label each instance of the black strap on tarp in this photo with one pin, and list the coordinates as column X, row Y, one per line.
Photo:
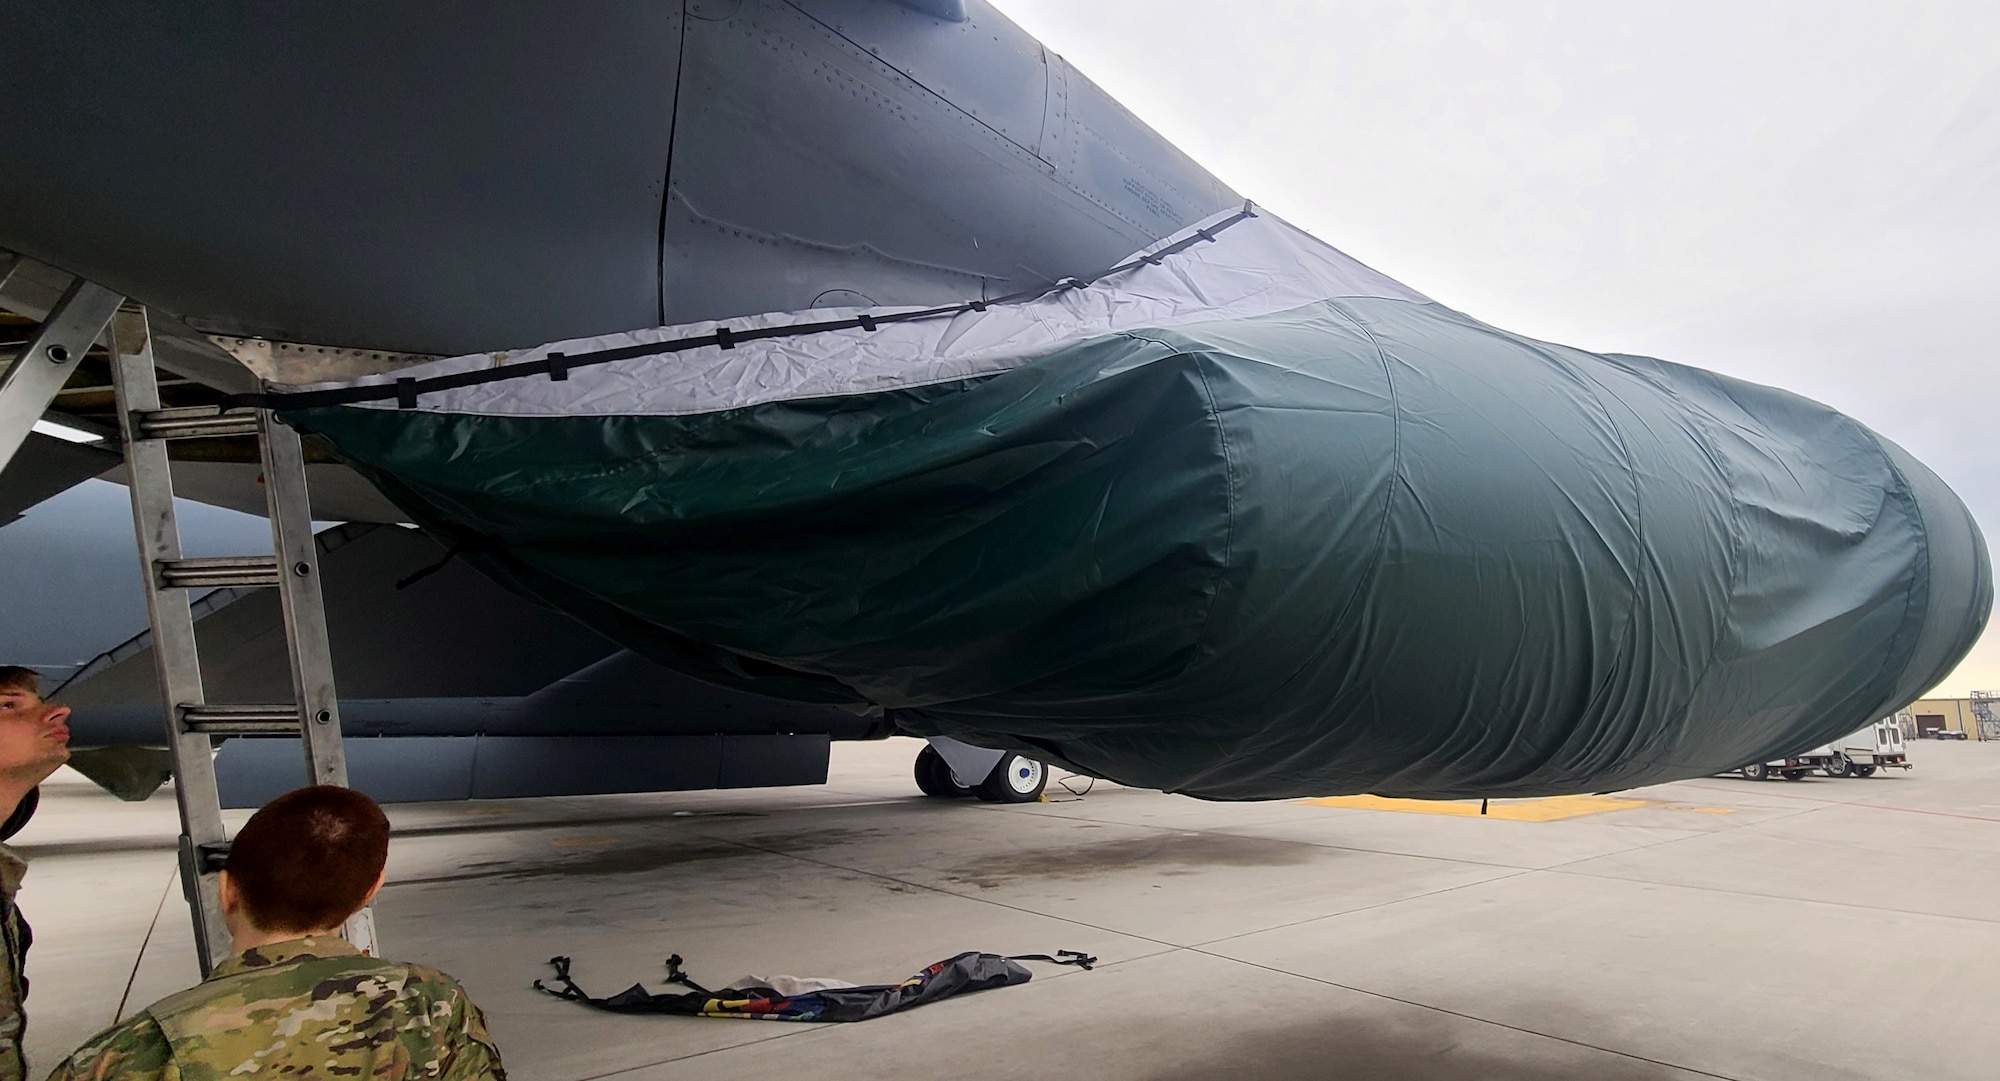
column 422, row 573
column 405, row 390
column 969, row 971
column 1081, row 960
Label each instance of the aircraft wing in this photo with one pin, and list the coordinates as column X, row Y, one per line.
column 46, row 466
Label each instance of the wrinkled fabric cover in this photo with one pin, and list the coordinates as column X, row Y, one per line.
column 1363, row 544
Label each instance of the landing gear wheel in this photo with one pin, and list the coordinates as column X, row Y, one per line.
column 1796, row 774
column 1757, row 771
column 1839, row 766
column 1862, row 771
column 1015, row 779
column 934, row 776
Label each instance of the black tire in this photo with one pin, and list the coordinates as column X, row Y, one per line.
column 1838, row 766
column 1796, row 774
column 1863, row 771
column 934, row 776
column 1757, row 771
column 1015, row 779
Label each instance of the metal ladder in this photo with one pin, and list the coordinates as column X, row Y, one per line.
column 293, row 569
column 27, row 388
column 29, row 385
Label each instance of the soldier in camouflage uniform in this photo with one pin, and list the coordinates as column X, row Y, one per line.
column 295, row 1000
column 308, row 1007
column 34, row 741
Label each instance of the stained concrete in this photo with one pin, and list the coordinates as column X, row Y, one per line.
column 1814, row 930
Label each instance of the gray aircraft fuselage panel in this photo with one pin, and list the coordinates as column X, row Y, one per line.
column 419, row 173
column 449, row 634
column 449, row 177
column 449, row 654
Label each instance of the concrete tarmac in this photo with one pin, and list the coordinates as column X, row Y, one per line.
column 1821, row 930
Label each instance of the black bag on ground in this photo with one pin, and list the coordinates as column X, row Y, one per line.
column 969, row 971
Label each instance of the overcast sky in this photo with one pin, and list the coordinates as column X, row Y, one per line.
column 1802, row 194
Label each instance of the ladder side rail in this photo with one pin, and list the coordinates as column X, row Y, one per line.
column 310, row 648
column 175, row 655
column 29, row 385
column 30, row 288
column 311, row 651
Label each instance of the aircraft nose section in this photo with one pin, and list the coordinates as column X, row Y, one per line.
column 1959, row 594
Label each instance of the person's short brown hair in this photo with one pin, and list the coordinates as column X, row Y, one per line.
column 308, row 859
column 13, row 677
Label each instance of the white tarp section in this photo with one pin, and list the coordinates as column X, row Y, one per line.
column 1256, row 266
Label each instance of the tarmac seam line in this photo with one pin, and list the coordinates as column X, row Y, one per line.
column 1362, row 908
column 622, row 1070
column 1229, row 831
column 1778, row 897
column 824, row 1030
column 1518, row 872
column 1470, row 1017
column 1558, row 868
column 147, row 940
column 1862, row 801
column 1168, row 946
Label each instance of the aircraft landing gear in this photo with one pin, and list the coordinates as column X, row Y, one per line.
column 934, row 776
column 1014, row 779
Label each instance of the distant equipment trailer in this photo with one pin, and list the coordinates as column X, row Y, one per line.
column 1879, row 746
column 1794, row 768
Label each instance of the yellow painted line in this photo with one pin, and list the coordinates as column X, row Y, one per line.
column 1548, row 809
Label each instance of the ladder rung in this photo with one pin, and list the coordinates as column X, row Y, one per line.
column 218, row 572
column 241, row 720
column 196, row 422
column 212, row 857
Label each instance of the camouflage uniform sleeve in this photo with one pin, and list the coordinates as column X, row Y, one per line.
column 135, row 1050
column 12, row 1060
column 460, row 1044
column 13, row 981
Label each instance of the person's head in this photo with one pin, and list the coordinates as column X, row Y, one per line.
column 304, row 863
column 34, row 739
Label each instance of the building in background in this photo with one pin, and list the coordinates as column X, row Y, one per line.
column 1978, row 716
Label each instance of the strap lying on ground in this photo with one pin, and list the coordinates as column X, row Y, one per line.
column 970, row 971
